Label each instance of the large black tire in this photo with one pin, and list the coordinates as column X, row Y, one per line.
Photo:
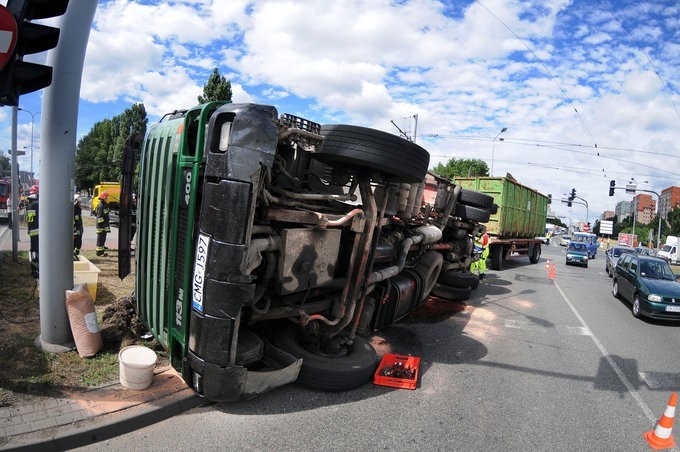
column 329, row 373
column 456, row 278
column 496, row 257
column 369, row 148
column 471, row 213
column 452, row 293
column 493, row 209
column 475, row 199
column 534, row 253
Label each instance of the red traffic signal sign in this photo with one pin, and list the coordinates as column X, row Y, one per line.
column 8, row 35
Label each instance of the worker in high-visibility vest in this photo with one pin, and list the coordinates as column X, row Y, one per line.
column 482, row 247
column 103, row 228
column 32, row 223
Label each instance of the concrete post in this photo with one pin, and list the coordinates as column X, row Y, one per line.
column 15, row 189
column 59, row 126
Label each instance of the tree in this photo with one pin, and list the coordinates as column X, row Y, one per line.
column 674, row 220
column 5, row 164
column 462, row 168
column 217, row 88
column 99, row 152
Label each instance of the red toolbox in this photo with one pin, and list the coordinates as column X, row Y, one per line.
column 397, row 371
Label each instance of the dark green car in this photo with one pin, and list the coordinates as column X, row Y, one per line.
column 649, row 284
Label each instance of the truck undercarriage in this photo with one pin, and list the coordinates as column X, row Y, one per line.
column 301, row 240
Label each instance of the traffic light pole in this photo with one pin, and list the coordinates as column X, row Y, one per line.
column 587, row 210
column 15, row 189
column 59, row 127
column 613, row 187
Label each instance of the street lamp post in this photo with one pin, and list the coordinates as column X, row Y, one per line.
column 493, row 146
column 32, row 125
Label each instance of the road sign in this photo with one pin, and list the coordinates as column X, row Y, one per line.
column 606, row 227
column 8, row 35
column 586, row 228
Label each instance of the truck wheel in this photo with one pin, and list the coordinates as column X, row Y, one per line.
column 328, row 373
column 374, row 149
column 535, row 253
column 471, row 213
column 452, row 293
column 457, row 278
column 496, row 257
column 475, row 199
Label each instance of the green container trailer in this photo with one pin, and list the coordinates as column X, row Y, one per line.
column 519, row 221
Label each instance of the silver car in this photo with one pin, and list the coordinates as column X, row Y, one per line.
column 612, row 255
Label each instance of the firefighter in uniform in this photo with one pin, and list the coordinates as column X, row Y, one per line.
column 482, row 246
column 103, row 228
column 32, row 222
column 77, row 226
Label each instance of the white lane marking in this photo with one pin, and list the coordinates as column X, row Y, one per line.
column 561, row 329
column 629, row 387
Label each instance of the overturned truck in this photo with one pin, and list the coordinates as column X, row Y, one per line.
column 269, row 247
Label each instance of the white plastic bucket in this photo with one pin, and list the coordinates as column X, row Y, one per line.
column 136, row 366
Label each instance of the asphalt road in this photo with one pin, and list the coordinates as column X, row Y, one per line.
column 531, row 364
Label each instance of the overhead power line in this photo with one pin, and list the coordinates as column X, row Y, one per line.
column 545, row 68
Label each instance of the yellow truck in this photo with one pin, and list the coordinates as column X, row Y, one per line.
column 112, row 188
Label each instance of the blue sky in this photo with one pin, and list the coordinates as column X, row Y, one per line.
column 588, row 90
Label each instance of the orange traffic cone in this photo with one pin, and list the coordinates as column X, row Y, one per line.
column 660, row 437
column 551, row 275
column 547, row 265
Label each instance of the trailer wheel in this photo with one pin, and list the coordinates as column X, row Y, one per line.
column 471, row 213
column 535, row 253
column 475, row 199
column 496, row 257
column 452, row 293
column 374, row 149
column 328, row 373
column 457, row 278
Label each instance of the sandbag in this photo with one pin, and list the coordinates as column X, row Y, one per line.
column 83, row 320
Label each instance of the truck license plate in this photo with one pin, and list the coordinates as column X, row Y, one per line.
column 198, row 280
column 672, row 308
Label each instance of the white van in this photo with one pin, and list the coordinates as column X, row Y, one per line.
column 669, row 252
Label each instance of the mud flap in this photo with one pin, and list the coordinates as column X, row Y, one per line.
column 233, row 383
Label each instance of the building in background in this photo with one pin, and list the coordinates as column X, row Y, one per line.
column 645, row 208
column 607, row 214
column 622, row 210
column 668, row 200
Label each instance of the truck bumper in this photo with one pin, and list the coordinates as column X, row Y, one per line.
column 232, row 383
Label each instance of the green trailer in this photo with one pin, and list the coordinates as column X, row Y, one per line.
column 520, row 219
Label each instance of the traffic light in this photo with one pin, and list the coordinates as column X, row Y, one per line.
column 612, row 184
column 573, row 194
column 20, row 77
column 549, row 198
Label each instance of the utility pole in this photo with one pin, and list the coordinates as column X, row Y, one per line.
column 60, row 113
column 15, row 191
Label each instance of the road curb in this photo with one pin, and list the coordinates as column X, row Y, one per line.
column 110, row 425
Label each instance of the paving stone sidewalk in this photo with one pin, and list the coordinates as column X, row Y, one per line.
column 81, row 418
